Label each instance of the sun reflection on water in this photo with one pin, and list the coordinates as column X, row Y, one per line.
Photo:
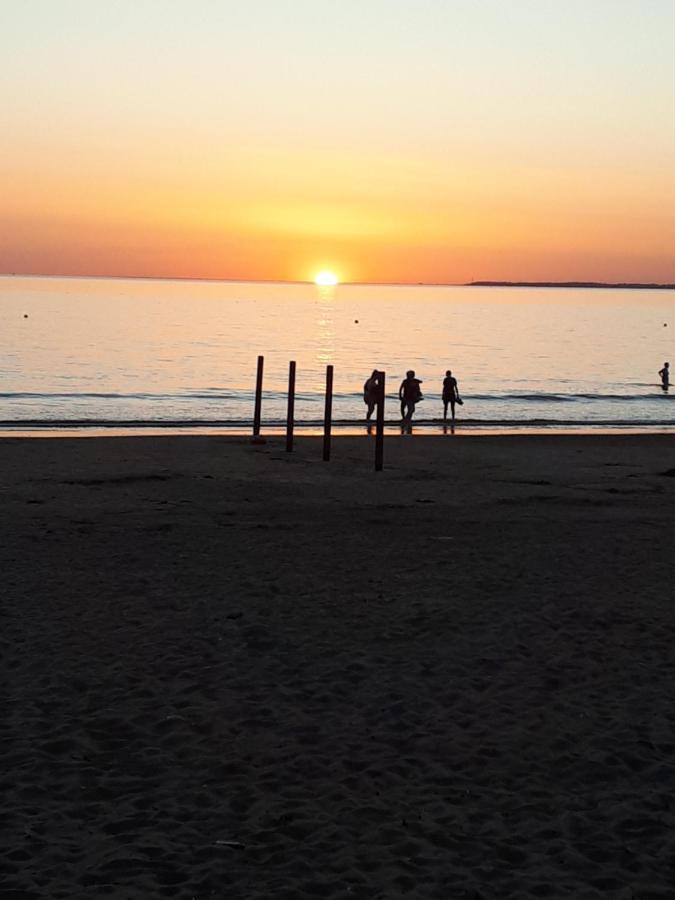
column 325, row 337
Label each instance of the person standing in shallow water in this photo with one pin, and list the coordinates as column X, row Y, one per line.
column 450, row 395
column 664, row 375
column 370, row 391
column 409, row 394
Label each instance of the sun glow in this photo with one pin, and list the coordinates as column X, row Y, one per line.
column 326, row 278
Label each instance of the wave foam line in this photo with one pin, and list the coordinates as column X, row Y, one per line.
column 538, row 421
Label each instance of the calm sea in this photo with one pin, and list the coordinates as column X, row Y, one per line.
column 150, row 352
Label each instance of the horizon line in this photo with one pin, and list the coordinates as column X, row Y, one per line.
column 473, row 283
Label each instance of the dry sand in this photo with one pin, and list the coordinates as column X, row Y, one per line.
column 230, row 672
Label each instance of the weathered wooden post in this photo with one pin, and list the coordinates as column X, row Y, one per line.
column 379, row 423
column 258, row 397
column 290, row 413
column 328, row 411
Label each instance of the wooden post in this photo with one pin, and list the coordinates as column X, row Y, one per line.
column 258, row 397
column 379, row 424
column 290, row 413
column 327, row 415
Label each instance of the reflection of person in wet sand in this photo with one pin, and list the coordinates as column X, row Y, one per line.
column 450, row 394
column 409, row 394
column 370, row 392
column 664, row 375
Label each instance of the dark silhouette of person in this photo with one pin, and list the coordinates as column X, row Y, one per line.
column 371, row 389
column 664, row 375
column 409, row 394
column 450, row 394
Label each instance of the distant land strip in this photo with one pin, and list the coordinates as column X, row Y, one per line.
column 575, row 284
column 646, row 286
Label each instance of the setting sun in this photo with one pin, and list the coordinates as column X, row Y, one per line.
column 326, row 278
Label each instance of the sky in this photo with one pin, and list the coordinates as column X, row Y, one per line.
column 385, row 140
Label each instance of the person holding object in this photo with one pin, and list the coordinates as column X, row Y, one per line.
column 664, row 375
column 409, row 394
column 450, row 395
column 370, row 392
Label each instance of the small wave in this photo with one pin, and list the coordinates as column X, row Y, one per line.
column 77, row 395
column 317, row 396
column 544, row 397
column 208, row 394
column 628, row 398
column 526, row 398
column 113, row 395
column 245, row 423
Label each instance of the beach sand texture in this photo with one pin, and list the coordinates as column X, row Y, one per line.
column 233, row 672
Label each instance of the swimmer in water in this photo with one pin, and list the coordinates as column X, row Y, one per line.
column 664, row 375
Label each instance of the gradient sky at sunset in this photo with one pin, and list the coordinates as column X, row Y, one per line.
column 387, row 140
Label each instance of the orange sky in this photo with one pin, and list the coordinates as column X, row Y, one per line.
column 441, row 145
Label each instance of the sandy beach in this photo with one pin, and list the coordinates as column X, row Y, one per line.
column 234, row 672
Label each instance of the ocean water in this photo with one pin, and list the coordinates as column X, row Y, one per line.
column 151, row 352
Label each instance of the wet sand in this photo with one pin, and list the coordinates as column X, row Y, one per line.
column 233, row 672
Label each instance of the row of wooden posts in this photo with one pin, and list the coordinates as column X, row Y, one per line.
column 327, row 415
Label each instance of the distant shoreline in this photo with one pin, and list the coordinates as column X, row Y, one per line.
column 606, row 285
column 621, row 285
